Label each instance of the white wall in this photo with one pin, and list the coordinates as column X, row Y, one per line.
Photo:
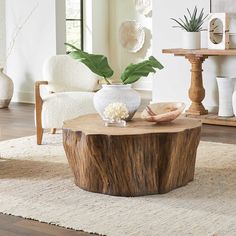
column 43, row 35
column 35, row 42
column 60, row 14
column 96, row 23
column 2, row 33
column 172, row 83
column 121, row 11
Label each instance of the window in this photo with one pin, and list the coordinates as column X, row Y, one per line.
column 74, row 23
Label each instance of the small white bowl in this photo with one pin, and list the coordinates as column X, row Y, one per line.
column 163, row 112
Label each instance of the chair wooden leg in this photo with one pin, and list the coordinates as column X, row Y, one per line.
column 38, row 111
column 39, row 135
column 39, row 129
column 53, row 130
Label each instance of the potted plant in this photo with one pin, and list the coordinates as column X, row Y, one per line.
column 119, row 92
column 192, row 26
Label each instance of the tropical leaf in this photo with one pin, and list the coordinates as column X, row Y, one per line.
column 134, row 72
column 98, row 64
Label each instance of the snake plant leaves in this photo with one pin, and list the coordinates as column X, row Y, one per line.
column 193, row 22
column 134, row 72
column 96, row 63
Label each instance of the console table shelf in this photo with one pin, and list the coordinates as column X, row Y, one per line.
column 197, row 91
column 200, row 52
column 214, row 119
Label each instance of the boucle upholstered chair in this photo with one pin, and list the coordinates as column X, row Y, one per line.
column 71, row 87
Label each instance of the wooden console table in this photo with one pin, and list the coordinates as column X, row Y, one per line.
column 139, row 159
column 197, row 91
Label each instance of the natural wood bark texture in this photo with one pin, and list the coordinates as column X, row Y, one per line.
column 142, row 158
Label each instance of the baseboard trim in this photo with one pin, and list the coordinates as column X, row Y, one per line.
column 23, row 97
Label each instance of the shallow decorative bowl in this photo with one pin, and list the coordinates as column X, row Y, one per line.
column 163, row 112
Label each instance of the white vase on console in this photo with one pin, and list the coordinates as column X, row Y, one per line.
column 226, row 87
column 234, row 100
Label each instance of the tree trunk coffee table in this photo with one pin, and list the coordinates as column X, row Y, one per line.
column 140, row 159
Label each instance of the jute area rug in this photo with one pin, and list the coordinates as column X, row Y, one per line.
column 36, row 183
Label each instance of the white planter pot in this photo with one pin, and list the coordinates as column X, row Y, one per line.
column 191, row 40
column 117, row 93
column 6, row 90
column 226, row 88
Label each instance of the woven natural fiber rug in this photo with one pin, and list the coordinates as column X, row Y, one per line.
column 36, row 183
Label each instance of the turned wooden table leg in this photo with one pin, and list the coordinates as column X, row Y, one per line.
column 196, row 91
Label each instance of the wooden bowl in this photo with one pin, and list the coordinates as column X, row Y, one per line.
column 163, row 112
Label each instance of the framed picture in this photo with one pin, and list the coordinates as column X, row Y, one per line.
column 228, row 6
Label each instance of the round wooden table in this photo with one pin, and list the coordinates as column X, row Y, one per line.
column 140, row 159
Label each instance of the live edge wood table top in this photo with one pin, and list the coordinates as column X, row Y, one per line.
column 197, row 91
column 142, row 158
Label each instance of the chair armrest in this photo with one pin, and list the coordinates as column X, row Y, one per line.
column 38, row 97
column 38, row 100
column 42, row 82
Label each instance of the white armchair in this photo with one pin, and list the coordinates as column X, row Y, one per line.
column 71, row 87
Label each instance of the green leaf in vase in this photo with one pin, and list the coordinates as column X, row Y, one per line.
column 96, row 63
column 134, row 72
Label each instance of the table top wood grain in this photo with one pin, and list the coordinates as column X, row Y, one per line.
column 203, row 52
column 93, row 124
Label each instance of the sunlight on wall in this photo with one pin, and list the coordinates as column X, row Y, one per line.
column 2, row 33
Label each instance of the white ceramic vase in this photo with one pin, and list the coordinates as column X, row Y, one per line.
column 117, row 93
column 234, row 100
column 226, row 87
column 191, row 40
column 6, row 89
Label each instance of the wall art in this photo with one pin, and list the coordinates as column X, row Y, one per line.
column 131, row 36
column 228, row 6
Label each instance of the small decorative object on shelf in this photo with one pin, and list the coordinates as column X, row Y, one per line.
column 115, row 114
column 163, row 112
column 112, row 93
column 218, row 31
column 226, row 87
column 132, row 36
column 192, row 26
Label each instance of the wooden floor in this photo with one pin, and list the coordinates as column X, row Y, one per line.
column 18, row 121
